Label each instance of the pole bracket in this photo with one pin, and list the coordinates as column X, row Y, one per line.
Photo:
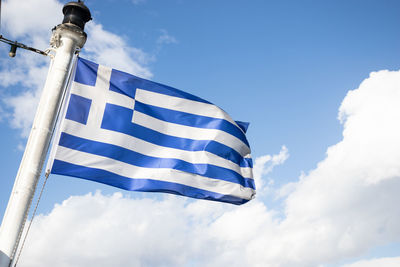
column 14, row 45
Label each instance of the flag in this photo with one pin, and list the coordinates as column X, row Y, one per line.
column 135, row 134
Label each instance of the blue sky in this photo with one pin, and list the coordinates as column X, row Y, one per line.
column 286, row 67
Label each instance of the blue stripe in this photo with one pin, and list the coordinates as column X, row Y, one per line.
column 117, row 118
column 143, row 185
column 192, row 120
column 86, row 72
column 127, row 84
column 140, row 160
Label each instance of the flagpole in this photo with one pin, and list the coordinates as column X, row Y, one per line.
column 67, row 39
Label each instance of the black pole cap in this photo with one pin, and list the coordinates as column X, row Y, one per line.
column 76, row 13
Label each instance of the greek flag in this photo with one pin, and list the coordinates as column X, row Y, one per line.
column 135, row 134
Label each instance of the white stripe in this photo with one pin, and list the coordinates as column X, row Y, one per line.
column 181, row 104
column 184, row 131
column 149, row 149
column 161, row 174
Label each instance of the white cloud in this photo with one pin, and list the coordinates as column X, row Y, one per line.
column 113, row 230
column 31, row 18
column 27, row 71
column 30, row 22
column 383, row 262
column 339, row 210
column 348, row 203
column 137, row 2
column 166, row 38
column 110, row 49
column 264, row 165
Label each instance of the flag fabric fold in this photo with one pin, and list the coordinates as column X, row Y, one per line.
column 135, row 134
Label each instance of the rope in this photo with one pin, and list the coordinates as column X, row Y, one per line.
column 0, row 15
column 33, row 216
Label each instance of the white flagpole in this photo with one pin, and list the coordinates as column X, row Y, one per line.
column 67, row 39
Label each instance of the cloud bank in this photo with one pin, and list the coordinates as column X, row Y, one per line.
column 385, row 262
